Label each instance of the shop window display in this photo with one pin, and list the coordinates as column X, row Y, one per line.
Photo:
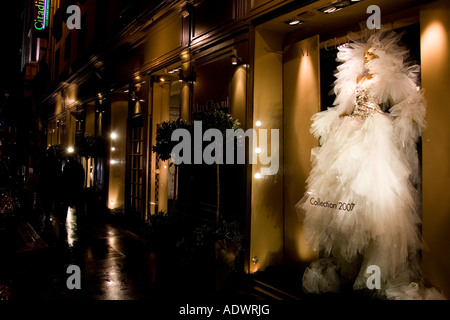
column 361, row 208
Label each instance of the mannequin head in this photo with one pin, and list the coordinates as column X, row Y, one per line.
column 369, row 55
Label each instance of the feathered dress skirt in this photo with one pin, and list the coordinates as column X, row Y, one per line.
column 360, row 203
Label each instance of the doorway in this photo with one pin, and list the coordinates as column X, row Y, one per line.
column 166, row 99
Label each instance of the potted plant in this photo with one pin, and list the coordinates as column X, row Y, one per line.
column 218, row 119
column 164, row 144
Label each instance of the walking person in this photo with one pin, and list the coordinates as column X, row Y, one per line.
column 73, row 184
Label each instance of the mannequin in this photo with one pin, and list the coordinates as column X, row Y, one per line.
column 361, row 208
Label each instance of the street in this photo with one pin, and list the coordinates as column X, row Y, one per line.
column 115, row 264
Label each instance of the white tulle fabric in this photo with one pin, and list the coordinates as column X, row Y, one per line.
column 362, row 205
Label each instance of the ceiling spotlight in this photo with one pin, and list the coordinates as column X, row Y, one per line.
column 294, row 22
column 336, row 6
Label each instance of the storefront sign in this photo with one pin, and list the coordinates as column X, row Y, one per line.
column 212, row 105
column 41, row 17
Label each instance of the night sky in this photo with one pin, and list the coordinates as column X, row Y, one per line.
column 11, row 43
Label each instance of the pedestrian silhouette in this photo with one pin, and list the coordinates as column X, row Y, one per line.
column 73, row 181
column 49, row 181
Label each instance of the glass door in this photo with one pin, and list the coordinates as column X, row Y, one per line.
column 136, row 166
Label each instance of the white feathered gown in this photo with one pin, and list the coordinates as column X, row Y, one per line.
column 361, row 203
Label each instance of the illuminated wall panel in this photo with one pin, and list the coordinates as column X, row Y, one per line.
column 266, row 247
column 118, row 136
column 301, row 102
column 435, row 47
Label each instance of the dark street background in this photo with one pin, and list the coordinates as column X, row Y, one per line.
column 11, row 34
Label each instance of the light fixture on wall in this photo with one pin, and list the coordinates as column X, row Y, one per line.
column 174, row 70
column 235, row 59
column 180, row 75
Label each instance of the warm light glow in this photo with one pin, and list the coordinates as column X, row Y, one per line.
column 114, row 136
column 258, row 123
column 113, row 162
column 304, row 249
column 70, row 150
column 113, row 149
column 258, row 175
column 258, row 150
column 162, row 79
column 185, row 55
column 434, row 43
column 71, row 227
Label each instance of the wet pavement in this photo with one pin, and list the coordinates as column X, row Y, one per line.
column 114, row 262
column 114, row 265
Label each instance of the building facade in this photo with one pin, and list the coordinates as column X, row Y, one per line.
column 268, row 63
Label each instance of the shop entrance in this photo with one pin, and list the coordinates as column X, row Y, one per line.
column 136, row 159
column 166, row 92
